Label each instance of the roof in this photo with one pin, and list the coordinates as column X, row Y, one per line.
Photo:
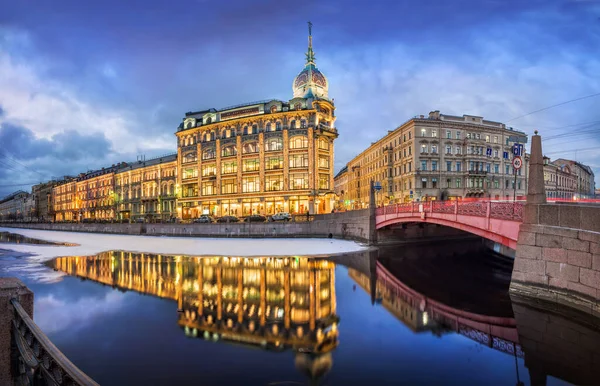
column 150, row 162
column 342, row 171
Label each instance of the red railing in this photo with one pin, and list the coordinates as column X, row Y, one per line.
column 503, row 210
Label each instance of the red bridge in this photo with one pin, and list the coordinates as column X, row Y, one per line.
column 498, row 221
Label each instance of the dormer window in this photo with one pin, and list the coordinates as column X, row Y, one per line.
column 273, row 109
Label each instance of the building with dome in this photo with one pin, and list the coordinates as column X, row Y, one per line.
column 261, row 157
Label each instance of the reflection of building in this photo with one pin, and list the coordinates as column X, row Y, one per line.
column 273, row 303
column 438, row 157
column 261, row 157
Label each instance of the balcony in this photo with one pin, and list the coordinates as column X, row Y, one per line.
column 478, row 173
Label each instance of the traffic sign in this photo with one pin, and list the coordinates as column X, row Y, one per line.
column 377, row 186
column 517, row 162
column 518, row 150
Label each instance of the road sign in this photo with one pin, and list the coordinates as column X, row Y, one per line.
column 505, row 155
column 518, row 150
column 377, row 186
column 517, row 162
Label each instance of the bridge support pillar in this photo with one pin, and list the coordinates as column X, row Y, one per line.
column 10, row 288
column 372, row 215
column 558, row 249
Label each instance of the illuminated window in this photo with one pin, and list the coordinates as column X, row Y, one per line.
column 323, row 161
column 299, row 181
column 229, row 151
column 190, row 157
column 250, row 184
column 190, row 173
column 208, row 188
column 208, row 154
column 209, row 170
column 298, row 160
column 273, row 183
column 274, row 163
column 299, row 142
column 228, row 186
column 323, row 181
column 229, row 167
column 251, row 165
column 250, row 147
column 274, row 144
column 323, row 144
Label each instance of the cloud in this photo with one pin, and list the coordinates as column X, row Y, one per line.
column 53, row 315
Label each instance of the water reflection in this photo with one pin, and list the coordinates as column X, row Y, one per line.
column 13, row 238
column 273, row 303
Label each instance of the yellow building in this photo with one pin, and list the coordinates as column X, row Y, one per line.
column 437, row 157
column 64, row 199
column 262, row 157
column 147, row 189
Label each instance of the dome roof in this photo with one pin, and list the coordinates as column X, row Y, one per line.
column 310, row 82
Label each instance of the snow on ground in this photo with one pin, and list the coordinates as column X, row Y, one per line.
column 92, row 243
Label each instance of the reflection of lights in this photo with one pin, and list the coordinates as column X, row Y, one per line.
column 425, row 318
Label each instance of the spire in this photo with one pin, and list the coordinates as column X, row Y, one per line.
column 310, row 55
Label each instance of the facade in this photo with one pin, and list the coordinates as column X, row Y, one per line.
column 12, row 207
column 559, row 181
column 262, row 157
column 43, row 200
column 437, row 157
column 64, row 200
column 586, row 185
column 95, row 195
column 147, row 189
column 340, row 184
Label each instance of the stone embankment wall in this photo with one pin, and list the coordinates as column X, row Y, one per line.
column 353, row 225
column 558, row 255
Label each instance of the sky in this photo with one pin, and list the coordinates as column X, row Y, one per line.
column 86, row 84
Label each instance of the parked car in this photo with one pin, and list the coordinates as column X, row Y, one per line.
column 204, row 219
column 228, row 219
column 255, row 218
column 281, row 216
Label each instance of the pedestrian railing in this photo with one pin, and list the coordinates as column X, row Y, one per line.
column 504, row 210
column 38, row 361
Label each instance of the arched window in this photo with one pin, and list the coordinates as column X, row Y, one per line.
column 323, row 144
column 208, row 120
column 228, row 151
column 292, row 124
column 268, row 126
column 303, row 123
column 255, row 128
column 208, row 154
column 188, row 125
column 246, row 132
column 274, row 144
column 273, row 109
column 190, row 157
column 250, row 147
column 191, row 140
column 299, row 142
column 278, row 126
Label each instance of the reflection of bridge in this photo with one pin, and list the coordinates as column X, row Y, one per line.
column 421, row 313
column 496, row 221
column 273, row 303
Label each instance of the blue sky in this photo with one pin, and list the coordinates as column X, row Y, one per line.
column 87, row 84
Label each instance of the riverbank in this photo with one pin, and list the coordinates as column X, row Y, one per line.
column 92, row 243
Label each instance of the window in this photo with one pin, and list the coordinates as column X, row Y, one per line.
column 478, row 135
column 434, row 183
column 298, row 181
column 496, row 184
column 487, row 167
column 278, row 126
column 458, row 150
column 410, row 151
column 423, row 149
column 273, row 183
column 434, row 165
column 228, row 151
column 250, row 147
column 190, row 173
column 273, row 109
column 424, row 183
column 496, row 168
column 434, row 133
column 303, row 123
column 272, row 163
column 487, row 138
column 495, row 139
column 506, row 184
column 208, row 188
column 471, row 166
column 209, row 170
column 268, row 127
column 274, row 144
column 409, row 167
column 298, row 142
column 298, row 161
column 324, row 161
column 448, row 134
column 190, row 157
column 323, row 181
column 448, row 166
column 323, row 144
column 409, row 135
column 468, row 135
column 495, row 153
column 229, row 167
column 423, row 165
column 208, row 154
column 292, row 124
column 228, row 186
column 507, row 169
column 448, row 149
column 434, row 149
column 458, row 181
column 250, row 184
column 251, row 165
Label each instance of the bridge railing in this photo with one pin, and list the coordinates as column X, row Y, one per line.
column 39, row 361
column 503, row 210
